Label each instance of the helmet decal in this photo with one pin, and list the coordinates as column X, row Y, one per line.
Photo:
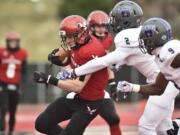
column 148, row 33
column 125, row 13
column 74, row 28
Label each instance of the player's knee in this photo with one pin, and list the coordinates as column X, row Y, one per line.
column 144, row 122
column 166, row 132
column 145, row 127
column 141, row 130
column 145, row 131
column 40, row 124
column 12, row 118
column 114, row 120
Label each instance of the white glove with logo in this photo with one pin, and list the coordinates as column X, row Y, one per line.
column 124, row 86
column 66, row 74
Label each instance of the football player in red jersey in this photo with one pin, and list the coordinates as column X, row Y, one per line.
column 13, row 61
column 84, row 105
column 98, row 22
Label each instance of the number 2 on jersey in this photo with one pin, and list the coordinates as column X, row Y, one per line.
column 127, row 41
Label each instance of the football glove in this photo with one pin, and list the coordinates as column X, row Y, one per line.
column 40, row 77
column 54, row 59
column 124, row 86
column 66, row 74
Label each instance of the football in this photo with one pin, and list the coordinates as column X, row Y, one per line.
column 64, row 55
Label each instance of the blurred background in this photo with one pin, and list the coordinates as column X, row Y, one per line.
column 38, row 22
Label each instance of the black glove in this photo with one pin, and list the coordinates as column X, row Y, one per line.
column 40, row 77
column 54, row 59
column 112, row 89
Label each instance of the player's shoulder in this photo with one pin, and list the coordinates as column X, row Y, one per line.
column 23, row 52
column 93, row 47
column 109, row 37
column 2, row 49
column 169, row 49
column 132, row 34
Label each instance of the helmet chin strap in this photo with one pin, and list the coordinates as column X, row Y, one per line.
column 100, row 35
column 97, row 34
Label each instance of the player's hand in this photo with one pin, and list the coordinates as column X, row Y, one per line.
column 112, row 88
column 66, row 74
column 40, row 77
column 53, row 58
column 124, row 86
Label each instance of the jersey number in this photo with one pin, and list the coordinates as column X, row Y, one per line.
column 11, row 70
column 127, row 41
column 171, row 50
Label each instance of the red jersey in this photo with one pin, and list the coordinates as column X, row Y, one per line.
column 11, row 65
column 107, row 42
column 94, row 89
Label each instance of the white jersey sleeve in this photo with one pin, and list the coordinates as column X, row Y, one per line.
column 166, row 55
column 128, row 38
column 101, row 62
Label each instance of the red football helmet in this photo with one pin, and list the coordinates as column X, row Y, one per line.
column 13, row 41
column 13, row 35
column 98, row 18
column 75, row 27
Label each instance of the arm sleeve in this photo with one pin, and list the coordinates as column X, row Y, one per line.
column 100, row 63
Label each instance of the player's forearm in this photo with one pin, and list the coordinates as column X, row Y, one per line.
column 176, row 62
column 151, row 89
column 156, row 88
column 70, row 85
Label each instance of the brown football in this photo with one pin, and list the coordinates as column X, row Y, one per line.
column 64, row 55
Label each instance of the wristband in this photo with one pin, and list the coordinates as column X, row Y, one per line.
column 74, row 73
column 112, row 82
column 136, row 88
column 52, row 80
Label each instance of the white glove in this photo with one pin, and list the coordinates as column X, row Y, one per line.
column 124, row 86
column 65, row 74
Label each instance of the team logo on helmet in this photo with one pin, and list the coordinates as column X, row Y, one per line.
column 73, row 27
